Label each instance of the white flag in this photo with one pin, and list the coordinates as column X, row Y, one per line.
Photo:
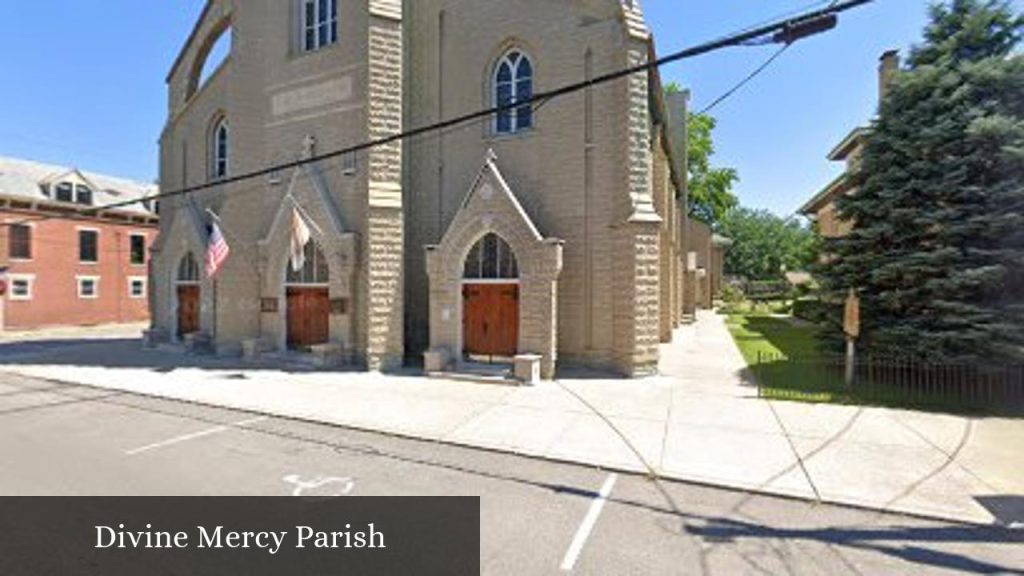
column 299, row 239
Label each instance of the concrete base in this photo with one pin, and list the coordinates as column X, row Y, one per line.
column 254, row 349
column 198, row 343
column 527, row 368
column 436, row 360
column 154, row 338
column 228, row 349
column 329, row 355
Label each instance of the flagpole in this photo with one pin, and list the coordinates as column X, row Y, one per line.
column 305, row 215
column 215, row 320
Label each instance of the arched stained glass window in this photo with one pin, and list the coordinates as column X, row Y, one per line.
column 220, row 147
column 491, row 259
column 315, row 270
column 188, row 269
column 513, row 84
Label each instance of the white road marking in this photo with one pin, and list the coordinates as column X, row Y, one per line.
column 573, row 553
column 193, row 436
column 346, row 484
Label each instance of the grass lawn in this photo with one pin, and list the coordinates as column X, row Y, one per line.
column 784, row 355
column 777, row 342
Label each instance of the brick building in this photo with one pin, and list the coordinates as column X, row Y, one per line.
column 556, row 231
column 822, row 207
column 67, row 264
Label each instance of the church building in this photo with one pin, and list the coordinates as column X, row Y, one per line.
column 553, row 232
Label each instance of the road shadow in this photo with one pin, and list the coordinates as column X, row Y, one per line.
column 906, row 543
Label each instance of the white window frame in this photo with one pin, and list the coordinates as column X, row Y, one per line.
column 99, row 237
column 80, row 280
column 513, row 113
column 145, row 256
column 29, row 279
column 57, row 185
column 78, row 198
column 330, row 22
column 144, row 281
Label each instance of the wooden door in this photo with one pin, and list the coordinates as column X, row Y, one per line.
column 491, row 320
column 309, row 312
column 188, row 309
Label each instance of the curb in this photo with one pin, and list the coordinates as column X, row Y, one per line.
column 636, row 471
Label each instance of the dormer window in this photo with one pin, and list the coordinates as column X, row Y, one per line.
column 83, row 195
column 72, row 193
column 319, row 23
column 64, row 192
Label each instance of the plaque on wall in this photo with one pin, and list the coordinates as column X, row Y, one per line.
column 268, row 305
column 339, row 306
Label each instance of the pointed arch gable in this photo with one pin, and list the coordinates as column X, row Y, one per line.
column 491, row 207
column 308, row 190
column 185, row 233
column 187, row 226
column 326, row 225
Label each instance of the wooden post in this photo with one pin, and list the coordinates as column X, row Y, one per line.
column 851, row 326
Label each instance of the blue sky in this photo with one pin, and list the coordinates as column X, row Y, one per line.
column 87, row 89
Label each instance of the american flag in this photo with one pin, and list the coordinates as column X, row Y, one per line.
column 217, row 251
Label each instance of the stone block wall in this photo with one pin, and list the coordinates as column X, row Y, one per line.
column 385, row 226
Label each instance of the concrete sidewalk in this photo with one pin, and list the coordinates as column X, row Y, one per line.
column 698, row 421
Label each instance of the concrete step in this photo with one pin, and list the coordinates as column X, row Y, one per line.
column 480, row 373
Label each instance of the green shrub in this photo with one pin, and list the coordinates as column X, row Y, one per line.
column 810, row 309
column 732, row 294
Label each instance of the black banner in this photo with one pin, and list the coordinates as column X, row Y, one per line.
column 243, row 536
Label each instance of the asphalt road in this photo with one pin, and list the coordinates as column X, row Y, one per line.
column 537, row 517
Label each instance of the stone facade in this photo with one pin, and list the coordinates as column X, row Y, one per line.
column 491, row 207
column 284, row 102
column 590, row 197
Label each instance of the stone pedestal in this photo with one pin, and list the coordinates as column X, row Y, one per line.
column 198, row 343
column 331, row 354
column 436, row 360
column 154, row 338
column 253, row 349
column 527, row 368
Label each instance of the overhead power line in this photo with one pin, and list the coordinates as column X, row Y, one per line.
column 784, row 31
column 746, row 80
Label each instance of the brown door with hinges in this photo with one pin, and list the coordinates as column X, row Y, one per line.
column 490, row 320
column 309, row 312
column 188, row 309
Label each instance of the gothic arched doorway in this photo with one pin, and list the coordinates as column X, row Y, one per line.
column 309, row 301
column 490, row 301
column 188, row 292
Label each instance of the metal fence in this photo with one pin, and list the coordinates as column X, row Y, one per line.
column 893, row 380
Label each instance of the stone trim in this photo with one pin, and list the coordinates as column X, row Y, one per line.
column 188, row 233
column 309, row 190
column 384, row 313
column 491, row 207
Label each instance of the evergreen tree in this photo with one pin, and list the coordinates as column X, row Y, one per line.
column 937, row 247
